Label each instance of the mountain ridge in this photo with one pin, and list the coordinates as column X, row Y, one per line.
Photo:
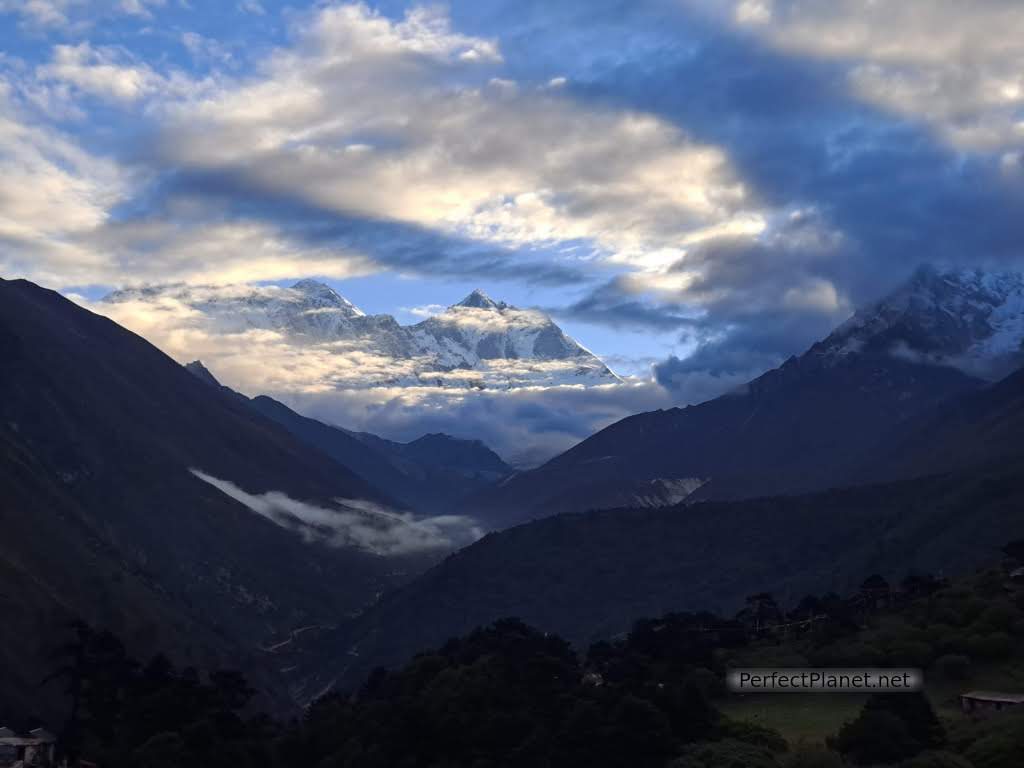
column 588, row 575
column 806, row 425
column 476, row 343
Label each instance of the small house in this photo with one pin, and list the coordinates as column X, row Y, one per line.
column 989, row 702
column 36, row 749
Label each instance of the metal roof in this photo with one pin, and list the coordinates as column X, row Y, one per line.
column 997, row 696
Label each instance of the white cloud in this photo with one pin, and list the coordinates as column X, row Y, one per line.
column 488, row 160
column 192, row 247
column 355, row 522
column 51, row 194
column 141, row 8
column 252, row 6
column 958, row 66
column 74, row 14
column 56, row 225
column 100, row 72
column 112, row 74
column 204, row 48
column 754, row 11
column 424, row 311
column 401, row 121
column 42, row 13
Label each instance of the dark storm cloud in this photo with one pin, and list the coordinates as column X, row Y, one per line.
column 725, row 360
column 799, row 136
column 614, row 305
column 886, row 194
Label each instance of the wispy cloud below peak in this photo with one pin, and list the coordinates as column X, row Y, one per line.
column 354, row 522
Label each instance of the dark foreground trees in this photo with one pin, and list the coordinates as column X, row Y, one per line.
column 153, row 715
column 510, row 696
column 503, row 696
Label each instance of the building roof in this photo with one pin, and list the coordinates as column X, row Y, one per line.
column 994, row 696
column 20, row 741
column 38, row 737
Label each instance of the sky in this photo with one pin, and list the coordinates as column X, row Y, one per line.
column 694, row 189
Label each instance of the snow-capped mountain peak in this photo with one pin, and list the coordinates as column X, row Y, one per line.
column 480, row 300
column 322, row 296
column 478, row 343
column 966, row 318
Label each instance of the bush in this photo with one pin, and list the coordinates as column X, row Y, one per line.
column 712, row 686
column 876, row 737
column 725, row 754
column 954, row 666
column 165, row 750
column 999, row 616
column 964, row 732
column 946, row 638
column 998, row 750
column 937, row 760
column 813, row 757
column 998, row 645
column 751, row 733
column 995, row 742
column 891, row 727
column 910, row 653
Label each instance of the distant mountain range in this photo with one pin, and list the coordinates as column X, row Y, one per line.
column 144, row 497
column 588, row 576
column 812, row 423
column 431, row 475
column 476, row 343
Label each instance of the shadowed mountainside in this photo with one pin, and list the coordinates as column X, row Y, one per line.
column 102, row 519
column 587, row 576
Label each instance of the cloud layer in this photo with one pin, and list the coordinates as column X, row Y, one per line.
column 530, row 409
column 355, row 522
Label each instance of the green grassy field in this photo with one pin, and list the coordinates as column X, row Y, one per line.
column 799, row 717
column 812, row 717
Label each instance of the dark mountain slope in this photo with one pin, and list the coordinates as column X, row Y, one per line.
column 468, row 457
column 431, row 475
column 101, row 517
column 796, row 428
column 108, row 394
column 807, row 425
column 335, row 443
column 588, row 576
column 976, row 430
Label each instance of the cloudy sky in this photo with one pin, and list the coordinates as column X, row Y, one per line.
column 695, row 189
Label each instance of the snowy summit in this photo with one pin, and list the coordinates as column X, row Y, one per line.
column 477, row 343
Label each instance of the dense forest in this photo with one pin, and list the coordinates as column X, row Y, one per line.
column 587, row 577
column 510, row 695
